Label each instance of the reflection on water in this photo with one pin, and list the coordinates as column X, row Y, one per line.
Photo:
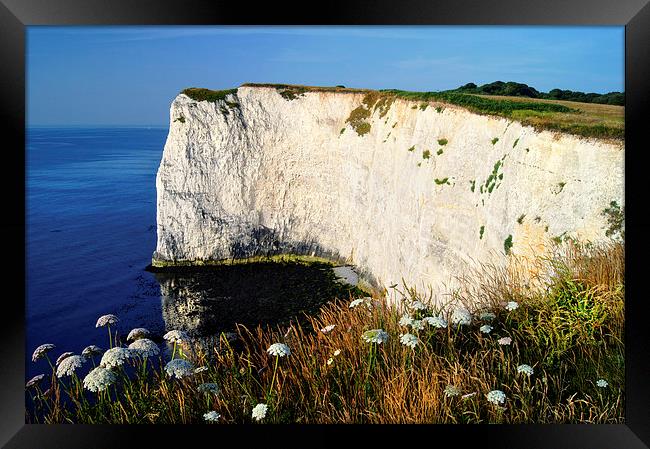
column 210, row 300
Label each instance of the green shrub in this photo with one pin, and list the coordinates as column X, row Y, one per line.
column 442, row 142
column 495, row 140
column 507, row 244
column 426, row 154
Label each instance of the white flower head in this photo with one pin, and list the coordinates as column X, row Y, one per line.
column 504, row 341
column 211, row 416
column 69, row 365
column 176, row 336
column 461, row 316
column 138, row 332
column 179, row 368
column 106, row 320
column 145, row 347
column 375, row 336
column 34, row 380
column 418, row 305
column 62, row 357
column 279, row 349
column 602, row 383
column 91, row 350
column 417, row 325
column 405, row 320
column 496, row 397
column 209, row 388
column 435, row 321
column 512, row 305
column 330, row 361
column 526, row 369
column 487, row 316
column 329, row 328
column 451, row 391
column 200, row 369
column 259, row 411
column 337, row 352
column 41, row 351
column 409, row 340
column 99, row 379
column 357, row 302
column 486, row 328
column 115, row 357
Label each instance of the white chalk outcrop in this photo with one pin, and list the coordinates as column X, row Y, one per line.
column 276, row 175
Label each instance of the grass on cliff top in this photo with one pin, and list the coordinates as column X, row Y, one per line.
column 551, row 351
column 201, row 94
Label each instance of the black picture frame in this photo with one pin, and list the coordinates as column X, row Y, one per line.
column 15, row 15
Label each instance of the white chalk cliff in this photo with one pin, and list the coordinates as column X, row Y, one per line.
column 271, row 175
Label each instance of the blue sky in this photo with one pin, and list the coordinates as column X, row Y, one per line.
column 129, row 75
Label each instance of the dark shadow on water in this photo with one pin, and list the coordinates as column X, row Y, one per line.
column 206, row 301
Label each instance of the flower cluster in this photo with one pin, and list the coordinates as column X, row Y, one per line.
column 179, row 368
column 409, row 340
column 144, row 348
column 69, row 365
column 99, row 379
column 259, row 411
column 496, row 397
column 375, row 336
column 526, row 369
column 41, row 351
column 115, row 357
column 106, row 320
column 279, row 349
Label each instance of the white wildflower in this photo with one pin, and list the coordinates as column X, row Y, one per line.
column 279, row 349
column 602, row 383
column 328, row 328
column 487, row 316
column 138, row 332
column 417, row 325
column 34, row 380
column 200, row 369
column 69, row 365
column 209, row 388
column 486, row 329
column 512, row 305
column 435, row 321
column 62, row 357
column 176, row 336
column 330, row 361
column 91, row 350
column 451, row 391
column 211, row 416
column 526, row 369
column 259, row 411
column 461, row 316
column 375, row 336
column 505, row 341
column 144, row 347
column 179, row 368
column 41, row 351
column 405, row 320
column 496, row 397
column 99, row 379
column 337, row 352
column 358, row 302
column 409, row 340
column 418, row 305
column 115, row 357
column 106, row 320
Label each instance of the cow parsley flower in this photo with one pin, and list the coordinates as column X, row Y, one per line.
column 200, row 369
column 179, row 368
column 259, row 411
column 328, row 328
column 41, row 351
column 505, row 341
column 405, row 320
column 337, row 352
column 34, row 380
column 409, row 340
column 91, row 350
column 62, row 357
column 451, row 391
column 461, row 316
column 602, row 383
column 211, row 416
column 375, row 336
column 486, row 329
column 106, row 320
column 138, row 332
column 417, row 325
column 330, row 361
column 115, row 357
column 418, row 305
column 435, row 321
column 496, row 397
column 99, row 379
column 526, row 369
column 209, row 388
column 279, row 349
column 69, row 365
column 145, row 347
column 176, row 336
column 512, row 305
column 487, row 316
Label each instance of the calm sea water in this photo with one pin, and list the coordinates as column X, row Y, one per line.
column 90, row 230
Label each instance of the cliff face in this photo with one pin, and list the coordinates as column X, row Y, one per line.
column 261, row 174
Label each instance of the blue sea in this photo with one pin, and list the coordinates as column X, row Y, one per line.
column 90, row 233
